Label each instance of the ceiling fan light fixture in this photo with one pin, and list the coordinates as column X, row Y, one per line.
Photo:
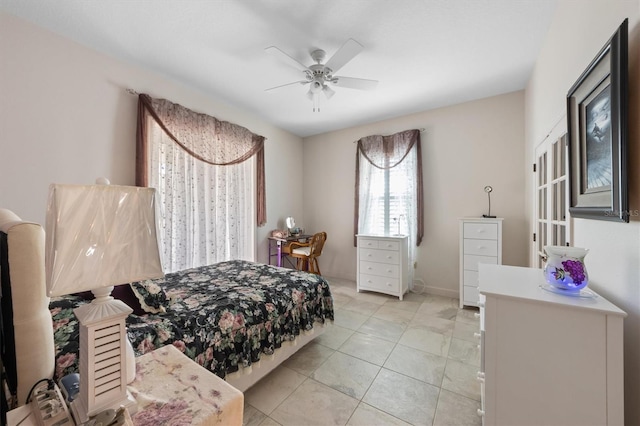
column 328, row 91
column 316, row 86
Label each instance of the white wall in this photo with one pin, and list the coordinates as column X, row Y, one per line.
column 464, row 148
column 65, row 117
column 578, row 32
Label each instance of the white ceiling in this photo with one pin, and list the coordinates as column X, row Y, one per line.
column 425, row 53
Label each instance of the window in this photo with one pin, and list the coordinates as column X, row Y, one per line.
column 391, row 191
column 209, row 177
column 389, row 186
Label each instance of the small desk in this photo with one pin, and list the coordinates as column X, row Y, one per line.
column 279, row 247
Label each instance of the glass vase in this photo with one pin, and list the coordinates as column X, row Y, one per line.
column 564, row 267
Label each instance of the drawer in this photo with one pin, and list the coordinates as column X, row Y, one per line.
column 472, row 261
column 382, row 269
column 481, row 247
column 382, row 256
column 481, row 231
column 392, row 245
column 389, row 245
column 372, row 282
column 367, row 243
column 470, row 278
column 471, row 295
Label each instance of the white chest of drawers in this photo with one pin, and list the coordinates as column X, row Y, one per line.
column 383, row 264
column 547, row 358
column 480, row 242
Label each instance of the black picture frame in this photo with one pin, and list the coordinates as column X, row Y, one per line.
column 597, row 110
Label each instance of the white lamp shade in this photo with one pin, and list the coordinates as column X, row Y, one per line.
column 100, row 236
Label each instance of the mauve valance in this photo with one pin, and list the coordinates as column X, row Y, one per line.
column 204, row 137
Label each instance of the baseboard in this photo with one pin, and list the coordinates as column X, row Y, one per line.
column 437, row 291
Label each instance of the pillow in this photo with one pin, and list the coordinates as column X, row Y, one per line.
column 122, row 292
column 151, row 296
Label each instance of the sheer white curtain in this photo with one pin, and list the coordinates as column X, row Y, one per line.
column 206, row 212
column 209, row 176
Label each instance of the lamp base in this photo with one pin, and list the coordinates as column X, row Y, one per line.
column 79, row 410
column 488, row 216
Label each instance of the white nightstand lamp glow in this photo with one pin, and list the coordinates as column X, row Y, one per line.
column 98, row 236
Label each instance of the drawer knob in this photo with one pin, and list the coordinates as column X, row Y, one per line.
column 480, row 412
column 480, row 375
column 476, row 315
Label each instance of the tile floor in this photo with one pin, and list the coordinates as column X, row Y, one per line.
column 382, row 362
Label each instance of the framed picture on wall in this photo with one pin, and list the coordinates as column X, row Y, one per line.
column 597, row 130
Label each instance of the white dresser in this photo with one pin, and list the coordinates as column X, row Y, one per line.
column 547, row 358
column 383, row 264
column 480, row 242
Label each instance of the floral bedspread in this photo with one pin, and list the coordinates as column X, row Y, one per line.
column 223, row 316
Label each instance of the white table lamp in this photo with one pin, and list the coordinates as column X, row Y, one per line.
column 98, row 236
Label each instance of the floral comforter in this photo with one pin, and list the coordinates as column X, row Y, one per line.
column 223, row 316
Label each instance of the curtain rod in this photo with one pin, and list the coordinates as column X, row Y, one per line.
column 422, row 129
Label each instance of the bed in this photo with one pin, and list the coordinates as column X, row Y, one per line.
column 238, row 319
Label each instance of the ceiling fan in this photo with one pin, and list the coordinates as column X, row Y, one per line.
column 319, row 76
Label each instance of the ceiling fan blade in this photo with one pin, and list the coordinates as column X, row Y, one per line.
column 274, row 51
column 355, row 83
column 288, row 84
column 346, row 53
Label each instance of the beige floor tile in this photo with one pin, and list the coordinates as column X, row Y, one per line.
column 468, row 315
column 349, row 375
column 340, row 300
column 334, row 336
column 466, row 331
column 420, row 365
column 361, row 306
column 456, row 410
column 464, row 351
column 269, row 392
column 388, row 313
column 439, row 306
column 315, row 404
column 419, row 337
column 366, row 415
column 462, row 379
column 374, row 297
column 307, row 359
column 391, row 331
column 415, row 297
column 403, row 305
column 349, row 319
column 368, row 348
column 435, row 324
column 269, row 422
column 403, row 397
column 252, row 416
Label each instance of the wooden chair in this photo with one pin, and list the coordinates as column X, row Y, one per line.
column 308, row 253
